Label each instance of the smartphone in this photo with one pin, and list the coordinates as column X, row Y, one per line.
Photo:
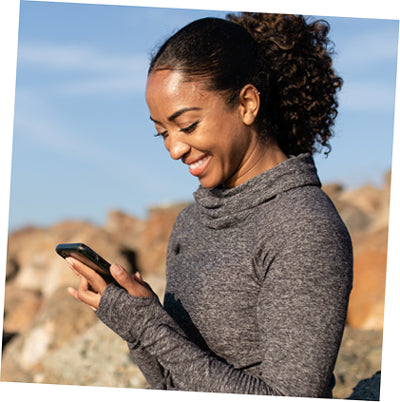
column 86, row 255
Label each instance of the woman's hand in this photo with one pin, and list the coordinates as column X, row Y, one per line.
column 92, row 285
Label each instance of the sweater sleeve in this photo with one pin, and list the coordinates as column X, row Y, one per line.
column 153, row 372
column 167, row 358
column 170, row 359
column 302, row 308
column 117, row 308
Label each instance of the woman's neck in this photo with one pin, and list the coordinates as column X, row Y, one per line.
column 261, row 157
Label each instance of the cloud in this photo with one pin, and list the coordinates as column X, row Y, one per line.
column 36, row 122
column 78, row 58
column 368, row 46
column 366, row 59
column 39, row 126
column 128, row 84
column 84, row 70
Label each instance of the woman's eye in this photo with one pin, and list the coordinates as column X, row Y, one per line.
column 163, row 134
column 190, row 128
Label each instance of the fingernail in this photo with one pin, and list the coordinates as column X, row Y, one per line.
column 69, row 262
column 117, row 269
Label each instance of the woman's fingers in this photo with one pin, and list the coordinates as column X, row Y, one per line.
column 134, row 285
column 92, row 285
column 96, row 282
column 73, row 292
column 85, row 294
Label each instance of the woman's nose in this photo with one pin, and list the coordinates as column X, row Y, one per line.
column 176, row 147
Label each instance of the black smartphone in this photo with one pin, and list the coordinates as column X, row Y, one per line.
column 86, row 255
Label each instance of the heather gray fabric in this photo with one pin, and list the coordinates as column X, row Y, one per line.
column 258, row 281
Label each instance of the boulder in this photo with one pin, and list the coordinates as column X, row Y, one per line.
column 20, row 308
column 360, row 357
column 365, row 211
column 60, row 319
column 154, row 238
column 367, row 299
column 368, row 389
column 97, row 357
column 35, row 265
column 125, row 229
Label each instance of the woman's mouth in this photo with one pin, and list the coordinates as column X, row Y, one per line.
column 197, row 168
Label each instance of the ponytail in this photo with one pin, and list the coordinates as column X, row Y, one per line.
column 302, row 103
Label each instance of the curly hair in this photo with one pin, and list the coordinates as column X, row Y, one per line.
column 287, row 59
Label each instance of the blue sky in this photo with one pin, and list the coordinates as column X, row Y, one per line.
column 83, row 142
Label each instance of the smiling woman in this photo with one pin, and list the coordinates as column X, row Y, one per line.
column 259, row 268
column 220, row 144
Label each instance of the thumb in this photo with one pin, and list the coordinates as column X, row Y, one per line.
column 139, row 279
column 122, row 277
column 134, row 287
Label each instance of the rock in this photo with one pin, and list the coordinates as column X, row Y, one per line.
column 333, row 190
column 7, row 336
column 37, row 267
column 367, row 299
column 59, row 320
column 152, row 251
column 365, row 211
column 99, row 239
column 368, row 389
column 97, row 357
column 356, row 219
column 363, row 208
column 20, row 308
column 20, row 248
column 125, row 229
column 367, row 199
column 360, row 356
column 157, row 283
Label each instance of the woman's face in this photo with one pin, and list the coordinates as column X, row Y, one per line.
column 199, row 129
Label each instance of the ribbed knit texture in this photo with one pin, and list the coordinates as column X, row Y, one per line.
column 258, row 281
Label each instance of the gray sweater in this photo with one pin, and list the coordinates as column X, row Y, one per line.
column 258, row 281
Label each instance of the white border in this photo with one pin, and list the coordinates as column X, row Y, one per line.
column 9, row 14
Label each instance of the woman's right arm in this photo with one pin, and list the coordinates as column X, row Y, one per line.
column 91, row 288
column 169, row 358
column 153, row 372
column 118, row 309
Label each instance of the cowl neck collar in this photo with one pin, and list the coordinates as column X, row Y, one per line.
column 222, row 207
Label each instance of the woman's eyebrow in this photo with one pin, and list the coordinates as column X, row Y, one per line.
column 177, row 114
column 155, row 121
column 181, row 111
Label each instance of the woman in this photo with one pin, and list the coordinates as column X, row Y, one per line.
column 259, row 268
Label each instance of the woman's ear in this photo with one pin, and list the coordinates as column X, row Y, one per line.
column 249, row 104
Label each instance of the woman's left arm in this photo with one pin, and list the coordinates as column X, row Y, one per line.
column 302, row 307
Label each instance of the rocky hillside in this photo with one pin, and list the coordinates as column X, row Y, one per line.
column 43, row 337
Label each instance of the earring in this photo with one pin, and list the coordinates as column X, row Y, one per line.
column 256, row 92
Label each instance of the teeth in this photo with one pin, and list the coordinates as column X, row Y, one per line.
column 198, row 163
